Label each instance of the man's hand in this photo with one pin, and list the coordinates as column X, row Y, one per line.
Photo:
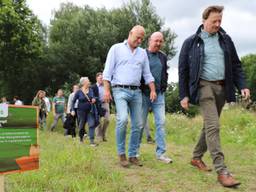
column 185, row 103
column 245, row 94
column 73, row 113
column 107, row 96
column 107, row 93
column 153, row 96
column 93, row 100
column 152, row 91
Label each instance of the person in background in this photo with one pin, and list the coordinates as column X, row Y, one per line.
column 58, row 108
column 102, row 107
column 17, row 101
column 4, row 100
column 71, row 97
column 70, row 101
column 85, row 110
column 126, row 63
column 209, row 71
column 146, row 128
column 39, row 101
column 47, row 103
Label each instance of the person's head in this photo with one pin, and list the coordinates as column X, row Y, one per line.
column 212, row 17
column 3, row 100
column 60, row 93
column 75, row 88
column 44, row 93
column 155, row 41
column 15, row 98
column 84, row 82
column 99, row 78
column 40, row 94
column 136, row 36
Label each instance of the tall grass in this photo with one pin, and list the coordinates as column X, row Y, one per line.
column 66, row 165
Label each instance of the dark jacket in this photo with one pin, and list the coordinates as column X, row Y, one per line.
column 84, row 102
column 164, row 75
column 95, row 89
column 101, row 111
column 190, row 64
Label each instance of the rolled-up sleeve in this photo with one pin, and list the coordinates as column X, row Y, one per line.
column 148, row 77
column 109, row 65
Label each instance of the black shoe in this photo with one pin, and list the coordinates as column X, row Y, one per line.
column 150, row 140
column 104, row 140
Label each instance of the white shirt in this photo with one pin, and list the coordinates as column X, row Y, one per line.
column 18, row 102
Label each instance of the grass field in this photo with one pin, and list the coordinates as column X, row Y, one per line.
column 68, row 166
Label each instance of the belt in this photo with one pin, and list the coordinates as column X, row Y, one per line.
column 218, row 82
column 133, row 87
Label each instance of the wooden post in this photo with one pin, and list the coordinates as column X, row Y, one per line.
column 1, row 183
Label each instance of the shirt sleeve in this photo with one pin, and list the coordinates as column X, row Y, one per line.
column 76, row 97
column 54, row 100
column 146, row 70
column 109, row 65
column 69, row 105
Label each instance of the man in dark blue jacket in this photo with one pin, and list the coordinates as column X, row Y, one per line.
column 209, row 71
column 102, row 107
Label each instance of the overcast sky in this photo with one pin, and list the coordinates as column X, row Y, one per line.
column 182, row 16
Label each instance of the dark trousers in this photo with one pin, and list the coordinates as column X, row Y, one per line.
column 84, row 117
column 211, row 101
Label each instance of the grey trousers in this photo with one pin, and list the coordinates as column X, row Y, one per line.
column 104, row 122
column 56, row 119
column 211, row 102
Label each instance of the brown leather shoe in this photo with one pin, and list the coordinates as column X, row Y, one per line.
column 123, row 161
column 135, row 161
column 227, row 180
column 198, row 163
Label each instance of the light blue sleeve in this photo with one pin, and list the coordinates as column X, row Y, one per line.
column 146, row 70
column 109, row 65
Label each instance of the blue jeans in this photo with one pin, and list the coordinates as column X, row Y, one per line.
column 158, row 108
column 126, row 101
column 84, row 117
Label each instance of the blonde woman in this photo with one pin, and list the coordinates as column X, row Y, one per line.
column 39, row 101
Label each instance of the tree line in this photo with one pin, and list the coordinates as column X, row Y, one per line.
column 76, row 42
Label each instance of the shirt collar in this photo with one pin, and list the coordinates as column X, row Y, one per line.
column 205, row 34
column 99, row 85
column 128, row 46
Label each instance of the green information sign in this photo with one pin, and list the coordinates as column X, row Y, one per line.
column 19, row 150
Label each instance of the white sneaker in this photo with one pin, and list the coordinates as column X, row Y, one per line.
column 164, row 159
column 93, row 144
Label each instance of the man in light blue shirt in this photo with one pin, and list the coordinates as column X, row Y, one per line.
column 125, row 65
column 209, row 73
column 213, row 66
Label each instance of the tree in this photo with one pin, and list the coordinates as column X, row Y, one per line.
column 21, row 44
column 80, row 37
column 249, row 66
